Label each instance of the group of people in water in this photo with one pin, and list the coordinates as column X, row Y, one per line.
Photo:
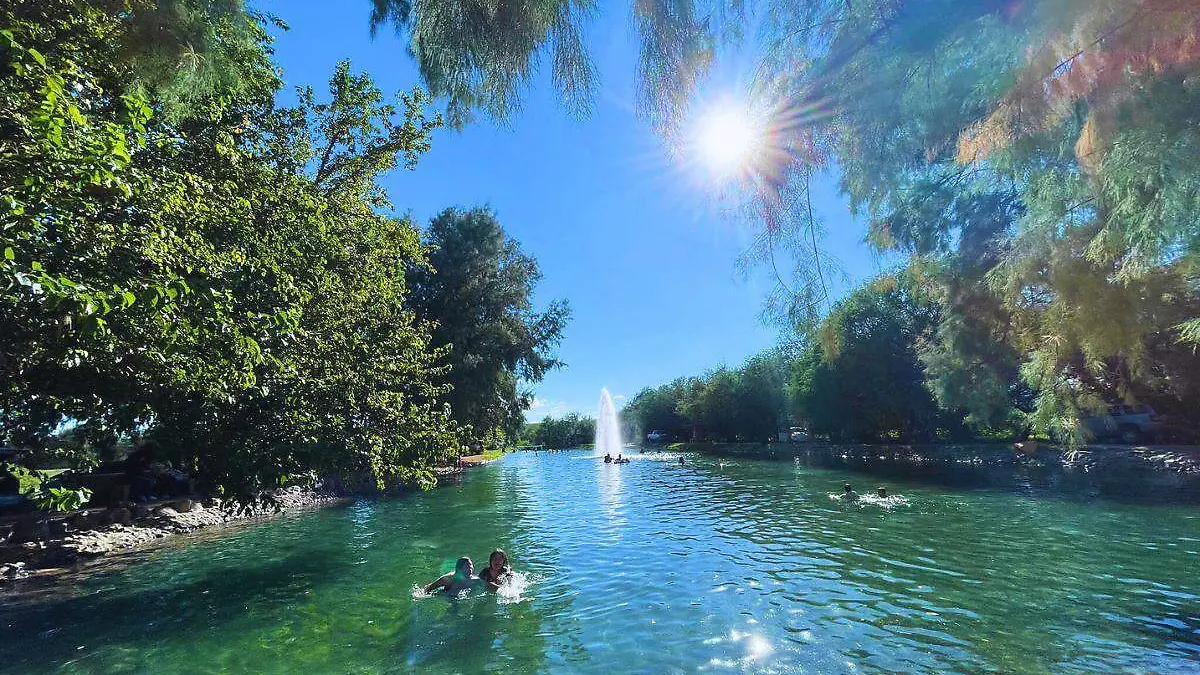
column 608, row 459
column 880, row 498
column 463, row 578
column 848, row 493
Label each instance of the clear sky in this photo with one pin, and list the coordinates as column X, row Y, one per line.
column 620, row 229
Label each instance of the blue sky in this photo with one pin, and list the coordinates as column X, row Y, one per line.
column 620, row 229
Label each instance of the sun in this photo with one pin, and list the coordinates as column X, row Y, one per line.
column 728, row 139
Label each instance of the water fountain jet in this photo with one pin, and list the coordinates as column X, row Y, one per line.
column 608, row 429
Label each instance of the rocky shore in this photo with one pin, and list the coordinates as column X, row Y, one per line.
column 47, row 544
column 44, row 544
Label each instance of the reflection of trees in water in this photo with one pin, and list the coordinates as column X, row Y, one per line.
column 215, row 588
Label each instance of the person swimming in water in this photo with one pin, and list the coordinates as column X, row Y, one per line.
column 461, row 579
column 849, row 494
column 881, row 491
column 497, row 571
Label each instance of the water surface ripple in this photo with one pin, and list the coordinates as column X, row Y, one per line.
column 650, row 567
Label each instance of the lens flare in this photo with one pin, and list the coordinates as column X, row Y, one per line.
column 729, row 139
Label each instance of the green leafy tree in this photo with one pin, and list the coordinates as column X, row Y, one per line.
column 744, row 404
column 569, row 431
column 477, row 295
column 862, row 380
column 223, row 281
column 657, row 409
column 1040, row 156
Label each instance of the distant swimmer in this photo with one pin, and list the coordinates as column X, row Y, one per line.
column 881, row 491
column 461, row 579
column 607, row 458
column 681, row 460
column 849, row 494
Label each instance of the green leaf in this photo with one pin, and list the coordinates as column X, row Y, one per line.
column 9, row 254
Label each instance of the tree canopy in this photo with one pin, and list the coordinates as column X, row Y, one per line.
column 569, row 431
column 743, row 404
column 476, row 294
column 229, row 282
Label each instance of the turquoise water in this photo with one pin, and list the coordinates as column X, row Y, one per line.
column 648, row 567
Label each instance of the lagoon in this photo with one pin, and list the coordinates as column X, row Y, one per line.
column 732, row 565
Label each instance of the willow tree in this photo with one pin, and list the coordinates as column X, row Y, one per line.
column 1038, row 160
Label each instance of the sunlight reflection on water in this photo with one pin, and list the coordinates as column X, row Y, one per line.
column 649, row 567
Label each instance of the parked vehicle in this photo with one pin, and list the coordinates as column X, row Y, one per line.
column 798, row 435
column 1126, row 423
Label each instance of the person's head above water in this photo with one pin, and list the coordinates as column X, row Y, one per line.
column 847, row 488
column 464, row 567
column 498, row 559
column 881, row 491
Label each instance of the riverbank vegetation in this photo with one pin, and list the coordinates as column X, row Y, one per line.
column 875, row 370
column 186, row 259
column 555, row 433
column 1032, row 165
column 192, row 266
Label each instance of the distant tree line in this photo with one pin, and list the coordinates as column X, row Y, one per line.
column 743, row 404
column 570, row 431
column 877, row 369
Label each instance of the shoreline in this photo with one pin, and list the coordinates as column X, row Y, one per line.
column 44, row 546
column 63, row 543
column 1155, row 474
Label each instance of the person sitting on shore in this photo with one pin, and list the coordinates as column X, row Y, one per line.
column 461, row 579
column 497, row 572
column 849, row 494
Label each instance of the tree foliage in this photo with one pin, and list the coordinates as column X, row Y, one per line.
column 222, row 281
column 569, row 431
column 743, row 404
column 1041, row 158
column 476, row 293
column 862, row 379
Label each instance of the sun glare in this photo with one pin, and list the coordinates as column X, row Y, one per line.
column 728, row 139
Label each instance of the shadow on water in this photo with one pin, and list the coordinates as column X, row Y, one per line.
column 161, row 602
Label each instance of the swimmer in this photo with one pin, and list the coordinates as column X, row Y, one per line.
column 849, row 494
column 461, row 579
column 881, row 491
column 607, row 458
column 497, row 571
column 680, row 461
